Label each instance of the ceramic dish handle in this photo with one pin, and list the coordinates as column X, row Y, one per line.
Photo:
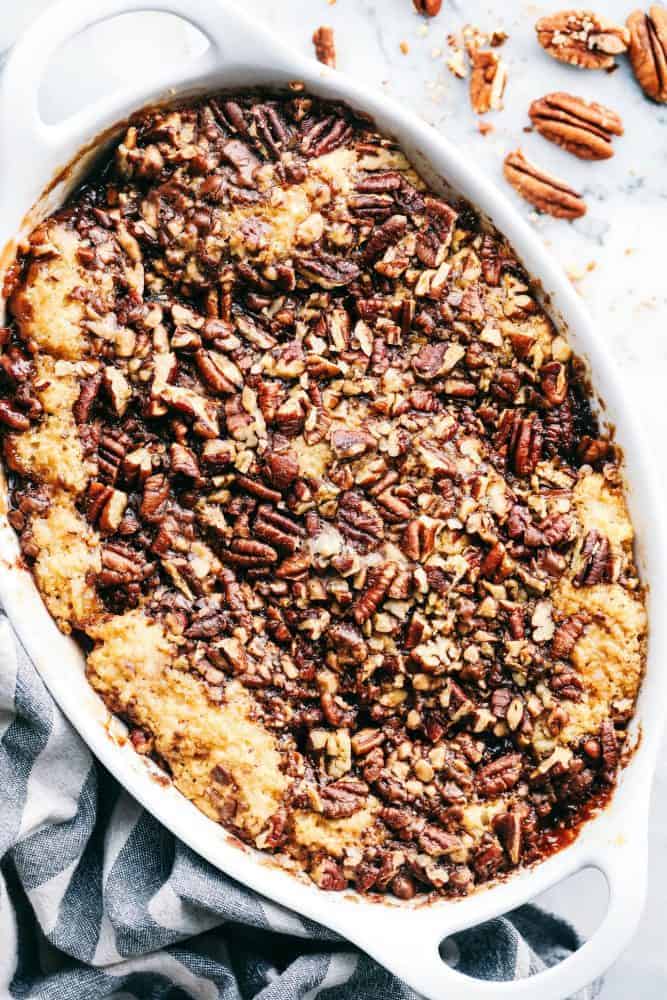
column 27, row 141
column 415, row 956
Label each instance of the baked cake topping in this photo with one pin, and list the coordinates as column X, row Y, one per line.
column 298, row 452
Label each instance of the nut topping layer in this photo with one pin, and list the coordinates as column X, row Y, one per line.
column 296, row 448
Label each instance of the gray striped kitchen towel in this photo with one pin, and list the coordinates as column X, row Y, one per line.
column 97, row 899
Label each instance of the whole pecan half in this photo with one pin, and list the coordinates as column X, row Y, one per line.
column 567, row 635
column 370, row 599
column 507, row 827
column 12, row 417
column 547, row 193
column 247, row 552
column 582, row 38
column 609, row 745
column 521, row 438
column 428, row 7
column 487, row 81
column 325, row 46
column 596, row 561
column 343, row 798
column 500, row 775
column 582, row 128
column 648, row 50
column 327, row 270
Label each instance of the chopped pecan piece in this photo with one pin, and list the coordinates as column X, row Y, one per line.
column 567, row 685
column 350, row 647
column 366, row 740
column 591, row 451
column 385, row 236
column 500, row 775
column 249, row 553
column 582, row 38
column 184, row 461
column 325, row 46
column 488, row 80
column 437, row 842
column 359, row 521
column 609, row 745
column 507, row 827
column 429, row 362
column 546, row 193
column 105, row 506
column 436, row 233
column 554, row 383
column 328, row 876
column 370, row 599
column 257, row 489
column 567, row 635
column 118, row 388
column 648, row 50
column 244, row 161
column 122, row 565
column 277, row 529
column 596, row 559
column 217, row 455
column 110, row 455
column 88, row 392
column 156, row 492
column 349, row 443
column 13, row 418
column 282, row 468
column 294, row 567
column 327, row 271
column 488, row 860
column 220, row 374
column 343, row 798
column 523, row 438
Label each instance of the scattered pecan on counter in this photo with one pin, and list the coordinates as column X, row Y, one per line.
column 648, row 50
column 325, row 46
column 428, row 7
column 547, row 193
column 582, row 128
column 488, row 80
column 582, row 38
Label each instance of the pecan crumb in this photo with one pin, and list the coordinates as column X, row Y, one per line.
column 325, row 45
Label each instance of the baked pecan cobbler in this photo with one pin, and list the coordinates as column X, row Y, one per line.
column 300, row 458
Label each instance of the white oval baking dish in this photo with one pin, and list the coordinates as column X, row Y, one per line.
column 403, row 937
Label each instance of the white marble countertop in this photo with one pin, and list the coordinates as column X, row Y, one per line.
column 617, row 251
